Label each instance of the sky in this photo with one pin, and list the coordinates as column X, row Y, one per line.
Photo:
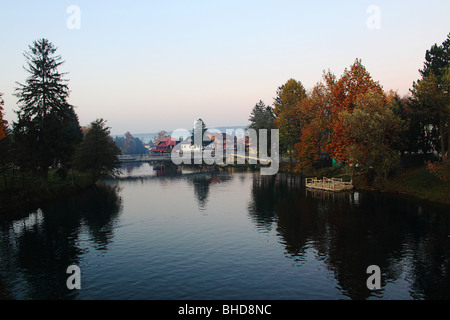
column 146, row 66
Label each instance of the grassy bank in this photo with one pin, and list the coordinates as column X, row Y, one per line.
column 28, row 193
column 416, row 182
column 420, row 183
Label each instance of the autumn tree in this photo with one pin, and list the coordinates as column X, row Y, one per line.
column 3, row 123
column 47, row 126
column 374, row 129
column 316, row 130
column 7, row 166
column 354, row 82
column 288, row 114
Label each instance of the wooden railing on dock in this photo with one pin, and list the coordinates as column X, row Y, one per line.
column 329, row 184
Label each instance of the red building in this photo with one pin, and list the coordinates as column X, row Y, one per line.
column 165, row 145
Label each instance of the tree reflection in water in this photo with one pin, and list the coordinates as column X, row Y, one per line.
column 202, row 183
column 351, row 231
column 38, row 249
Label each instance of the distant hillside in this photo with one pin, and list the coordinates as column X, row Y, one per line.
column 147, row 137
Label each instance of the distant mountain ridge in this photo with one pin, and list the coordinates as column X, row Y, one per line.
column 147, row 137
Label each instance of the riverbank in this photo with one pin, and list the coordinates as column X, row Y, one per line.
column 416, row 182
column 420, row 183
column 33, row 195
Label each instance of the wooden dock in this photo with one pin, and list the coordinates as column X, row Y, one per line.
column 333, row 184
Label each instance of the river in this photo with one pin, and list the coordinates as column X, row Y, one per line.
column 225, row 235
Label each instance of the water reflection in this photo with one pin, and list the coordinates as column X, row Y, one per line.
column 351, row 231
column 202, row 183
column 37, row 250
column 305, row 243
column 201, row 177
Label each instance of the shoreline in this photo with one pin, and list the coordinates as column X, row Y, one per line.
column 414, row 183
column 33, row 200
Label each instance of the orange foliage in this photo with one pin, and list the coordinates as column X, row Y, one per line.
column 323, row 127
column 440, row 170
column 307, row 151
column 354, row 82
column 317, row 119
column 3, row 123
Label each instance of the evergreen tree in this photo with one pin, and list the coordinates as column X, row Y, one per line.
column 97, row 154
column 47, row 126
column 430, row 97
column 262, row 117
column 199, row 129
column 437, row 59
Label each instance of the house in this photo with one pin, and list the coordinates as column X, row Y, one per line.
column 232, row 141
column 187, row 146
column 165, row 145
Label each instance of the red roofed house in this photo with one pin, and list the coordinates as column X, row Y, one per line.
column 165, row 145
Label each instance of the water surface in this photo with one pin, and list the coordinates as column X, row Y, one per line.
column 225, row 235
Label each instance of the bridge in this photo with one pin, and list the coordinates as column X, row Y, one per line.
column 144, row 158
column 167, row 157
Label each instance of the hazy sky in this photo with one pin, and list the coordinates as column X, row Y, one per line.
column 150, row 65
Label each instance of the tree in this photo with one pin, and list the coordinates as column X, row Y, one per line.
column 316, row 130
column 413, row 139
column 161, row 135
column 199, row 130
column 130, row 145
column 307, row 151
column 287, row 109
column 97, row 154
column 374, row 129
column 354, row 82
column 262, row 117
column 3, row 123
column 47, row 125
column 6, row 161
column 431, row 96
column 437, row 59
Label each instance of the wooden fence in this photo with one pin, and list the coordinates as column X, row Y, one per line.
column 329, row 184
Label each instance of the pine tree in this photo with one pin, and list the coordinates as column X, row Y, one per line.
column 430, row 96
column 47, row 125
column 199, row 129
column 262, row 117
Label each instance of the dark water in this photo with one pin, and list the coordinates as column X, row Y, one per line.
column 225, row 236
